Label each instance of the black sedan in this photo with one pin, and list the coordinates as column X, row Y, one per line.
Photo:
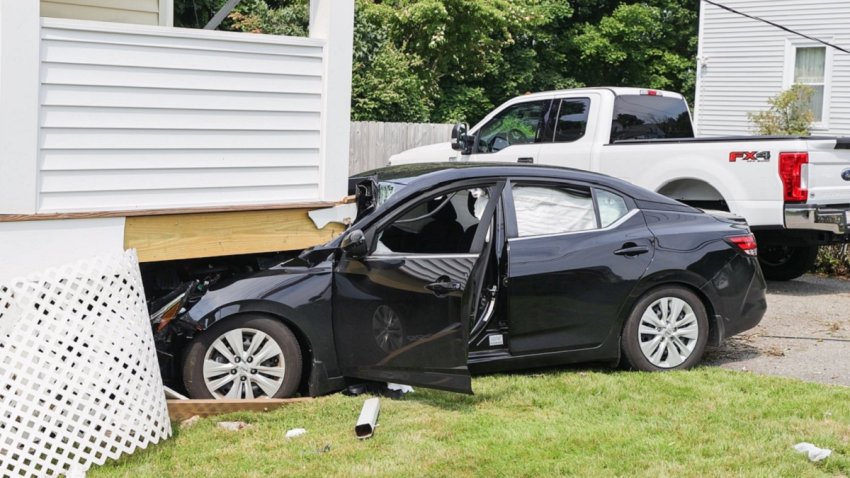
column 456, row 268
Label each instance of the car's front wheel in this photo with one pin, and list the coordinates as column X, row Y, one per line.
column 243, row 357
column 667, row 330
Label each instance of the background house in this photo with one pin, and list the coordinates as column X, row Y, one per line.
column 742, row 62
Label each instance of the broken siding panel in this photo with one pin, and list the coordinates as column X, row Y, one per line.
column 745, row 60
column 145, row 12
column 151, row 118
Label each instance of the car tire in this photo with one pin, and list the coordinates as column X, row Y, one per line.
column 271, row 367
column 653, row 340
column 785, row 263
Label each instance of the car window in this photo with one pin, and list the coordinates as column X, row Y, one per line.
column 571, row 121
column 650, row 117
column 443, row 224
column 543, row 210
column 516, row 124
column 611, row 207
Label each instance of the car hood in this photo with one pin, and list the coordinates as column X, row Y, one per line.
column 291, row 283
column 425, row 154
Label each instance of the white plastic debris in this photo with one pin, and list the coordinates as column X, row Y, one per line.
column 295, row 432
column 232, row 426
column 399, row 387
column 814, row 453
column 342, row 213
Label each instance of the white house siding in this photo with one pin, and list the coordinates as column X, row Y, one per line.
column 148, row 117
column 743, row 61
column 144, row 12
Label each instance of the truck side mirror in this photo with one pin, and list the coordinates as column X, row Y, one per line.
column 354, row 244
column 460, row 140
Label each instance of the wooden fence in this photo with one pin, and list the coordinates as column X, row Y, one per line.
column 372, row 143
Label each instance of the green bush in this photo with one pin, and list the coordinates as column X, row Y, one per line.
column 790, row 113
column 833, row 260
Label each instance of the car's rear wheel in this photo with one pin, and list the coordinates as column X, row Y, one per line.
column 786, row 262
column 667, row 330
column 241, row 358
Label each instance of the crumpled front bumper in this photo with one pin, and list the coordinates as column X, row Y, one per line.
column 832, row 219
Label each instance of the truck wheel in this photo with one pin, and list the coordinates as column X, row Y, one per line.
column 243, row 357
column 786, row 262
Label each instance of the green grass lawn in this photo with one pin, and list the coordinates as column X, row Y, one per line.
column 706, row 422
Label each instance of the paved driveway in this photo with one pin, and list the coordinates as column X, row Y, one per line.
column 805, row 333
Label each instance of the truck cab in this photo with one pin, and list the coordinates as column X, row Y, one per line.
column 566, row 127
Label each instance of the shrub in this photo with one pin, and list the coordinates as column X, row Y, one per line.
column 789, row 113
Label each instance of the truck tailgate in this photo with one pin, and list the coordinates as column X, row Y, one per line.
column 828, row 176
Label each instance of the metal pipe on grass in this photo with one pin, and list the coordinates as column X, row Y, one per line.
column 368, row 418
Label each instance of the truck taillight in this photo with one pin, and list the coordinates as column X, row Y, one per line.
column 746, row 243
column 791, row 173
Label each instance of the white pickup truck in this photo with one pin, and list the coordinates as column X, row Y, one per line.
column 793, row 191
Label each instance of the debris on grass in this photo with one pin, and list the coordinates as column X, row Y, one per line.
column 397, row 387
column 814, row 453
column 190, row 422
column 368, row 419
column 232, row 426
column 295, row 433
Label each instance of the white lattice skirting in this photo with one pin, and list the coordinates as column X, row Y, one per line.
column 79, row 379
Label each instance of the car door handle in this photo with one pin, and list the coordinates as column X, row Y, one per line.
column 526, row 160
column 631, row 249
column 444, row 287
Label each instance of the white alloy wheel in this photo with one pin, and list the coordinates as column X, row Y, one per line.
column 668, row 332
column 244, row 363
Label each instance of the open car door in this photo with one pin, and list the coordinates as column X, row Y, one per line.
column 401, row 312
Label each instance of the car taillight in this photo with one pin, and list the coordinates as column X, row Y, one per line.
column 746, row 243
column 790, row 171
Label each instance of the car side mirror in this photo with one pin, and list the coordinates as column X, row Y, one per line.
column 354, row 244
column 461, row 141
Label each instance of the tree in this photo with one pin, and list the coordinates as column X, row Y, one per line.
column 649, row 44
column 452, row 60
column 790, row 113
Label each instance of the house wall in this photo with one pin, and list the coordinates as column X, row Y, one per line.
column 144, row 12
column 742, row 62
column 146, row 118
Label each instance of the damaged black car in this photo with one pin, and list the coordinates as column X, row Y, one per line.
column 453, row 268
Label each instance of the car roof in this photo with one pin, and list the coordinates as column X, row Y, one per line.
column 425, row 175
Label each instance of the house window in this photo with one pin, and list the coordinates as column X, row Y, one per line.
column 810, row 69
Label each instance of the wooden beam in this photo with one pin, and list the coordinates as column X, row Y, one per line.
column 179, row 410
column 162, row 212
column 188, row 236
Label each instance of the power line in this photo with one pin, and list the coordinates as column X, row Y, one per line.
column 724, row 7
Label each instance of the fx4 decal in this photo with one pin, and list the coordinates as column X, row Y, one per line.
column 749, row 156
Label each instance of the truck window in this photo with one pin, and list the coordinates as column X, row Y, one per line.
column 650, row 117
column 571, row 121
column 516, row 124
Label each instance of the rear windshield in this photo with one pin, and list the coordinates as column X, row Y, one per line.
column 650, row 117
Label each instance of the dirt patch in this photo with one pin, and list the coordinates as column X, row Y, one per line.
column 805, row 333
